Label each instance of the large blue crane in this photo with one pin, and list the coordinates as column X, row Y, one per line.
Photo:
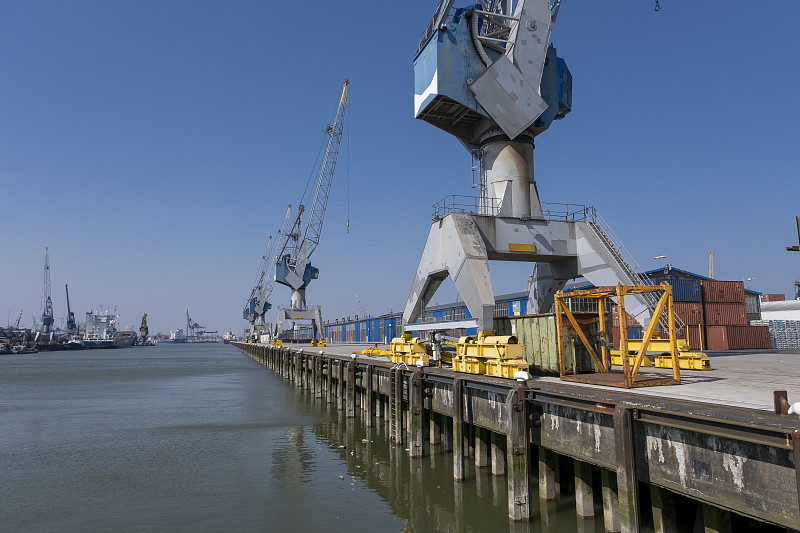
column 488, row 75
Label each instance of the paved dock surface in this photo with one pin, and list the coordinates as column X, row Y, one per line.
column 737, row 378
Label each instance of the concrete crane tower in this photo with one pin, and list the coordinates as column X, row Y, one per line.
column 47, row 302
column 293, row 267
column 488, row 75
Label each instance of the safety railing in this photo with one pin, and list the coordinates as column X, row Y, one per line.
column 478, row 205
column 456, row 203
column 568, row 212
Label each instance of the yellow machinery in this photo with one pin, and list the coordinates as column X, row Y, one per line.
column 687, row 359
column 276, row 343
column 407, row 349
column 320, row 342
column 499, row 356
column 493, row 355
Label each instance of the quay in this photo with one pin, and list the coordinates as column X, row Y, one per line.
column 539, row 433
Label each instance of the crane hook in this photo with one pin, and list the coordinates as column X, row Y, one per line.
column 658, row 6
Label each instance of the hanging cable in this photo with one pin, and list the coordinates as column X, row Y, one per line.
column 348, row 165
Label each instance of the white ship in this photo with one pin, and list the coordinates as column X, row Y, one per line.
column 177, row 335
column 101, row 330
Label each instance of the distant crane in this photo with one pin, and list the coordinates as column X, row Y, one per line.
column 47, row 302
column 361, row 308
column 16, row 325
column 143, row 329
column 72, row 327
column 293, row 267
column 258, row 304
column 193, row 329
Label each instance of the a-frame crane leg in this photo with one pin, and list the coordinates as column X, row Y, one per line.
column 454, row 248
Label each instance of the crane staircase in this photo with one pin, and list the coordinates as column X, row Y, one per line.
column 628, row 265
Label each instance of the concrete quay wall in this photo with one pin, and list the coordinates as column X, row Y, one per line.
column 729, row 459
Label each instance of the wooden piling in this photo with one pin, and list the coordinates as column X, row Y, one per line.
column 584, row 495
column 417, row 418
column 627, row 485
column 519, row 478
column 458, row 429
column 664, row 517
column 610, row 501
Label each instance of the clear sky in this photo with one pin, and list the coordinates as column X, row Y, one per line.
column 154, row 146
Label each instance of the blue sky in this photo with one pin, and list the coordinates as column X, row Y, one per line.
column 153, row 146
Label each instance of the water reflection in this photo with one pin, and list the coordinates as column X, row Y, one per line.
column 422, row 491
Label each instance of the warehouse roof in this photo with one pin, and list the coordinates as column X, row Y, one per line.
column 787, row 305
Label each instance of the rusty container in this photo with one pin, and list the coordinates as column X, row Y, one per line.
column 693, row 334
column 725, row 314
column 722, row 291
column 690, row 313
column 630, row 319
column 717, row 337
column 773, row 297
column 537, row 334
column 737, row 337
column 748, row 337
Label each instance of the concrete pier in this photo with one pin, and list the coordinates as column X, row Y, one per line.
column 730, row 460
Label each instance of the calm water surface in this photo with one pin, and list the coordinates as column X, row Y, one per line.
column 201, row 438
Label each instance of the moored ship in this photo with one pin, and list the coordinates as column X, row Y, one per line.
column 101, row 331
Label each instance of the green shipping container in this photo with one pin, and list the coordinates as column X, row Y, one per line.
column 537, row 334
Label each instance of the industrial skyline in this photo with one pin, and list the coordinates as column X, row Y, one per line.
column 154, row 148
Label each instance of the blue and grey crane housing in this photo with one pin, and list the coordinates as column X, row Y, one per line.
column 447, row 64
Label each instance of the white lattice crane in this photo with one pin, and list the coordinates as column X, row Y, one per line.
column 293, row 267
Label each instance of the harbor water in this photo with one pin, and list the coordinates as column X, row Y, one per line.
column 199, row 437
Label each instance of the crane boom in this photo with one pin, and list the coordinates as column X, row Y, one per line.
column 71, row 325
column 295, row 275
column 293, row 267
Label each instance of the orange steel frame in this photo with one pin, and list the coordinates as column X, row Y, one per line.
column 603, row 363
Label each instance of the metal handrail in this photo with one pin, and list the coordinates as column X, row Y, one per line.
column 633, row 269
column 481, row 205
column 456, row 203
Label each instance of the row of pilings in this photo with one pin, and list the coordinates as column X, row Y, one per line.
column 496, row 424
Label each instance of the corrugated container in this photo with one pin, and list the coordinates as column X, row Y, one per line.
column 683, row 290
column 630, row 320
column 737, row 337
column 690, row 313
column 773, row 297
column 537, row 334
column 753, row 317
column 722, row 291
column 725, row 314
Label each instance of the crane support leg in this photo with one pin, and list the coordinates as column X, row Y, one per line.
column 546, row 281
column 461, row 245
column 455, row 248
